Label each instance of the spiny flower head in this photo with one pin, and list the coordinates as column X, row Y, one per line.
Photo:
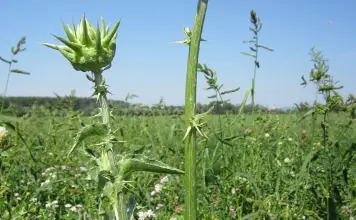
column 87, row 48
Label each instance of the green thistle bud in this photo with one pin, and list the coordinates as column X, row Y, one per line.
column 3, row 136
column 88, row 49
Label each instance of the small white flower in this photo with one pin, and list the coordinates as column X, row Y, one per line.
column 63, row 167
column 33, row 199
column 141, row 215
column 16, row 195
column 45, row 182
column 153, row 193
column 68, row 205
column 150, row 213
column 233, row 191
column 164, row 179
column 267, row 135
column 79, row 206
column 22, row 181
column 280, row 143
column 159, row 206
column 158, row 188
column 54, row 202
column 73, row 209
column 232, row 212
column 290, row 139
column 48, row 205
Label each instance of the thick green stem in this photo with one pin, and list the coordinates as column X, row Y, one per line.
column 190, row 209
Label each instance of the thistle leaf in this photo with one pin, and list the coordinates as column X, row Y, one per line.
column 148, row 165
column 230, row 91
column 244, row 100
column 266, row 48
column 19, row 71
column 97, row 129
column 212, row 97
column 248, row 54
column 6, row 61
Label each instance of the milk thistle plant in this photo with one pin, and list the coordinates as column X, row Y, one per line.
column 92, row 50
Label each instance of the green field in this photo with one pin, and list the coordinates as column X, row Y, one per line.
column 275, row 168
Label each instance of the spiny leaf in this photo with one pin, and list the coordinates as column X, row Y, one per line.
column 148, row 165
column 19, row 71
column 97, row 129
column 230, row 91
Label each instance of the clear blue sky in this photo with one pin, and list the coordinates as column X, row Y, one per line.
column 147, row 64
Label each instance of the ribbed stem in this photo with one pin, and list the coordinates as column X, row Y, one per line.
column 190, row 209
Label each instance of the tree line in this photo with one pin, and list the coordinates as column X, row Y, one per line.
column 60, row 106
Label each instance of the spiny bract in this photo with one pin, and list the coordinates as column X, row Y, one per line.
column 88, row 49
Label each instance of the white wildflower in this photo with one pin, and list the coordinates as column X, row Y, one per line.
column 63, row 167
column 267, row 135
column 68, row 205
column 232, row 212
column 164, row 180
column 159, row 206
column 16, row 195
column 233, row 191
column 3, row 136
column 153, row 193
column 150, row 213
column 280, row 143
column 73, row 209
column 290, row 139
column 158, row 188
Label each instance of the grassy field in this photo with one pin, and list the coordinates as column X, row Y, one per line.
column 274, row 169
